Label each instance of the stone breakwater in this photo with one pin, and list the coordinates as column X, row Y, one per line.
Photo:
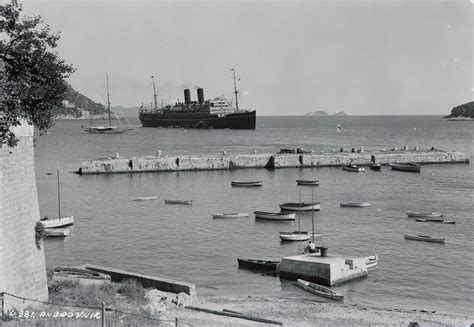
column 265, row 160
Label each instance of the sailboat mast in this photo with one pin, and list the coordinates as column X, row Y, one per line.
column 154, row 91
column 235, row 91
column 108, row 98
column 312, row 213
column 299, row 214
column 59, row 195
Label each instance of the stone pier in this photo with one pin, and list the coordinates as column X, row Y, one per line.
column 265, row 160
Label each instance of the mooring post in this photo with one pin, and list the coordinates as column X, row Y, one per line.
column 3, row 306
column 176, row 322
column 103, row 314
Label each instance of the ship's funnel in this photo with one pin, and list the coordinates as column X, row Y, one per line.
column 200, row 93
column 187, row 96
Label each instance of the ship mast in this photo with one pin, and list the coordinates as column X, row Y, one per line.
column 108, row 98
column 154, row 91
column 235, row 91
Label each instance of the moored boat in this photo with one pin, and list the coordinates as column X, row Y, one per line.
column 258, row 264
column 375, row 166
column 229, row 215
column 295, row 236
column 354, row 168
column 355, row 204
column 246, row 183
column 144, row 198
column 371, row 261
column 424, row 238
column 409, row 167
column 56, row 232
column 424, row 214
column 58, row 223
column 319, row 290
column 187, row 202
column 306, row 182
column 303, row 206
column 274, row 215
column 440, row 221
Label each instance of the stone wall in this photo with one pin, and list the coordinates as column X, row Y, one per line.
column 22, row 264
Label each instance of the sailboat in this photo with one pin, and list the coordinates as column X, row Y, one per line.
column 296, row 235
column 111, row 129
column 59, row 222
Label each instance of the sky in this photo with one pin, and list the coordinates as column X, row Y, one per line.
column 291, row 57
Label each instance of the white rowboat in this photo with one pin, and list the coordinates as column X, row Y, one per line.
column 354, row 168
column 304, row 206
column 229, row 215
column 274, row 215
column 424, row 214
column 144, row 198
column 295, row 236
column 307, row 182
column 439, row 221
column 371, row 261
column 246, row 184
column 410, row 167
column 319, row 290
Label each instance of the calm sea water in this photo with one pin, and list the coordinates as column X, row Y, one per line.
column 186, row 243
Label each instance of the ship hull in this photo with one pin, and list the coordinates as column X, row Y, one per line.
column 237, row 120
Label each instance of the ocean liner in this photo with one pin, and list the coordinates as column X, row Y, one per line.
column 213, row 113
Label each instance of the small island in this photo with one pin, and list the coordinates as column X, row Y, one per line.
column 462, row 112
column 324, row 113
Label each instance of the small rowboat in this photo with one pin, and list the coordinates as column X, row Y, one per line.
column 441, row 221
column 304, row 182
column 258, row 264
column 371, row 261
column 424, row 238
column 56, row 232
column 375, row 167
column 144, row 198
column 424, row 214
column 229, row 215
column 295, row 236
column 187, row 202
column 355, row 204
column 410, row 167
column 274, row 215
column 319, row 290
column 303, row 206
column 354, row 168
column 246, row 184
column 59, row 222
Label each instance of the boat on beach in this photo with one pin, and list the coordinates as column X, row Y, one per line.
column 258, row 264
column 439, row 221
column 56, row 232
column 144, row 198
column 371, row 261
column 274, row 215
column 319, row 290
column 306, row 182
column 186, row 202
column 354, row 168
column 229, row 215
column 424, row 214
column 409, row 167
column 424, row 238
column 246, row 183
column 303, row 206
column 354, row 204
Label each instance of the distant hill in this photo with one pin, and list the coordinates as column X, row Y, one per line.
column 462, row 112
column 78, row 106
column 324, row 113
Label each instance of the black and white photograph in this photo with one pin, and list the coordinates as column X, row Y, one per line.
column 236, row 163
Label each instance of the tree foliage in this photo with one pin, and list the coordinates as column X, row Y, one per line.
column 32, row 75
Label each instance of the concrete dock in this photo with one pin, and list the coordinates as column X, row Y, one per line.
column 266, row 160
column 322, row 270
